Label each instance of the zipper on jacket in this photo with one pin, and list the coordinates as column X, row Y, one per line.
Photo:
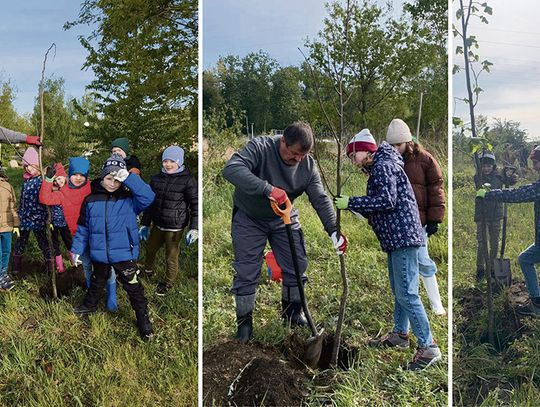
column 107, row 229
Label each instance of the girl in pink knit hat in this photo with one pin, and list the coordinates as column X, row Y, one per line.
column 32, row 214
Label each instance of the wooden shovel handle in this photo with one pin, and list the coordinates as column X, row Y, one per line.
column 284, row 214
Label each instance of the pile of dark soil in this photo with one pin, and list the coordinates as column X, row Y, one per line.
column 65, row 282
column 255, row 374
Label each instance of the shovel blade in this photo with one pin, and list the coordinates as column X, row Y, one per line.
column 502, row 272
column 313, row 349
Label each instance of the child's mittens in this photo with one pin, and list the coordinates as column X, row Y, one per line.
column 341, row 201
column 192, row 236
column 143, row 233
column 120, row 175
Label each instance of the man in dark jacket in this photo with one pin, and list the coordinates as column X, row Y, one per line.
column 277, row 168
column 393, row 214
column 530, row 256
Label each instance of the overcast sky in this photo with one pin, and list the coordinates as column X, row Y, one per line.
column 511, row 41
column 27, row 29
column 278, row 27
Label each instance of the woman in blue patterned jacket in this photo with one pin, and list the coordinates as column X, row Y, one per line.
column 393, row 214
column 531, row 255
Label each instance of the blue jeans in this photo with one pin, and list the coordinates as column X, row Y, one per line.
column 527, row 259
column 426, row 266
column 5, row 251
column 408, row 308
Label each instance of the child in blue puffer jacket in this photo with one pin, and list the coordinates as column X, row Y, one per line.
column 107, row 226
column 393, row 214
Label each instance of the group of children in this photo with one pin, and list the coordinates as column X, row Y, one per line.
column 98, row 222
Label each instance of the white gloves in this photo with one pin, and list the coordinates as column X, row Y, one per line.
column 76, row 259
column 340, row 243
column 121, row 175
column 192, row 236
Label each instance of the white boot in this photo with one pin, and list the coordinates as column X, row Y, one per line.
column 432, row 289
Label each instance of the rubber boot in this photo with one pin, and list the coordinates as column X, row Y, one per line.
column 144, row 324
column 17, row 264
column 244, row 319
column 432, row 290
column 111, row 293
column 291, row 307
column 59, row 264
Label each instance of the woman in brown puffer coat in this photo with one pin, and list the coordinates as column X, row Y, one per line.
column 425, row 176
column 9, row 223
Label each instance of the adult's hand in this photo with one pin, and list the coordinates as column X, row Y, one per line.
column 33, row 140
column 340, row 242
column 279, row 195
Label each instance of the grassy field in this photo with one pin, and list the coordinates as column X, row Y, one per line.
column 376, row 377
column 50, row 357
column 483, row 375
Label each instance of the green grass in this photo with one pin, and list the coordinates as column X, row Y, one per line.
column 50, row 357
column 376, row 378
column 483, row 376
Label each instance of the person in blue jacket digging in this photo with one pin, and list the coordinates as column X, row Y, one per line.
column 391, row 208
column 107, row 226
column 531, row 255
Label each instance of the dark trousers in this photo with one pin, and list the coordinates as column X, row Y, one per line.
column 492, row 235
column 249, row 238
column 65, row 235
column 41, row 237
column 126, row 272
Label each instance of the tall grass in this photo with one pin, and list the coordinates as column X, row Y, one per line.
column 377, row 377
column 50, row 357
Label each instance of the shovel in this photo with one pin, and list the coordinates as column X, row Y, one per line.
column 501, row 266
column 313, row 347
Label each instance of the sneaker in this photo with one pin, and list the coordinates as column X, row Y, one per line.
column 84, row 310
column 425, row 357
column 391, row 340
column 6, row 283
column 529, row 309
column 162, row 289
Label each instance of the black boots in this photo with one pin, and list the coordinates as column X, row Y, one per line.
column 144, row 325
column 244, row 320
column 291, row 306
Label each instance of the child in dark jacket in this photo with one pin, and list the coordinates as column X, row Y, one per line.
column 32, row 214
column 531, row 255
column 393, row 214
column 174, row 208
column 107, row 227
column 120, row 146
column 493, row 211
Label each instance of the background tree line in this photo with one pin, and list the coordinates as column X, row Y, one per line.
column 392, row 61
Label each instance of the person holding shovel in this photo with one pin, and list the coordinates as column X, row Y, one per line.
column 274, row 168
column 393, row 214
column 493, row 210
column 8, row 136
column 426, row 179
column 531, row 255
